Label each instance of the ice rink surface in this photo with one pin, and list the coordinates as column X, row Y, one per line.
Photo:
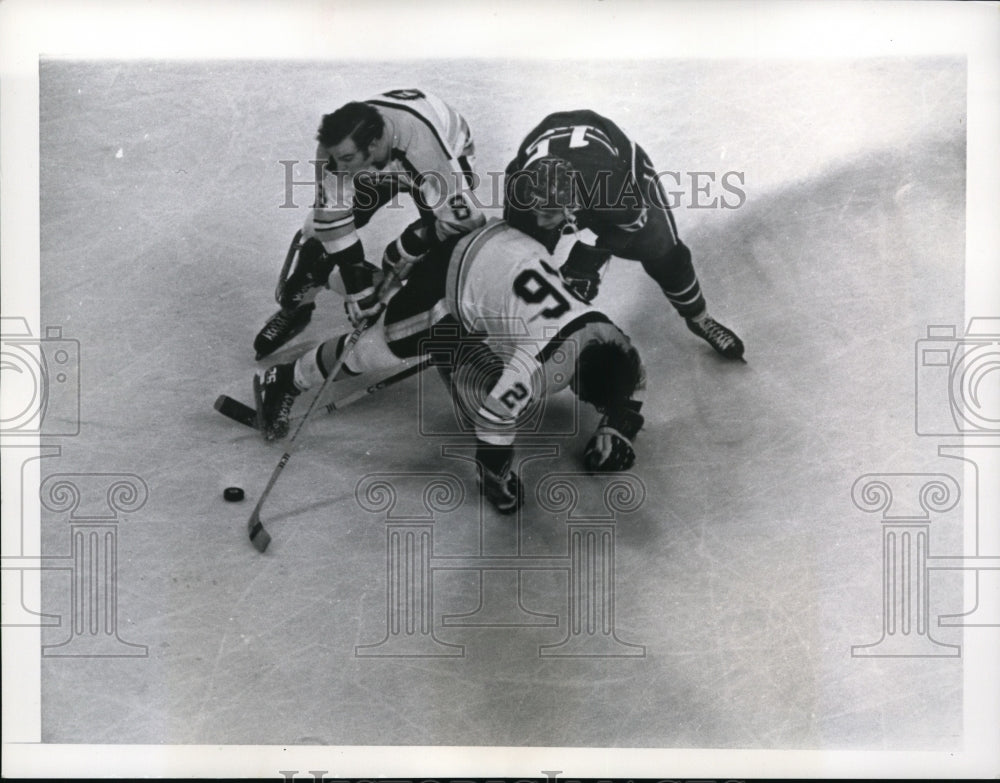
column 740, row 582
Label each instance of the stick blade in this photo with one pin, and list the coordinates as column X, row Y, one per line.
column 259, row 537
column 236, row 410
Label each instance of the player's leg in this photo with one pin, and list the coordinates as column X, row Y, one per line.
column 667, row 260
column 409, row 316
column 276, row 388
column 295, row 294
column 470, row 377
column 312, row 267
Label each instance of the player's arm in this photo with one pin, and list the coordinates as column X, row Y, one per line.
column 581, row 271
column 443, row 194
column 407, row 249
column 438, row 159
column 331, row 218
column 610, row 447
column 331, row 221
column 445, row 190
column 610, row 376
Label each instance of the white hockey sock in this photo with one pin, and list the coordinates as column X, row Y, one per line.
column 307, row 370
column 371, row 352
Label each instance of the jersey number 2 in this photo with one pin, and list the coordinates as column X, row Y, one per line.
column 514, row 395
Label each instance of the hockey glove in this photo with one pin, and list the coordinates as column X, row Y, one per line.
column 582, row 271
column 404, row 251
column 498, row 482
column 610, row 448
column 361, row 280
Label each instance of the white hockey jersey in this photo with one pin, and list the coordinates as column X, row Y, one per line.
column 501, row 285
column 431, row 157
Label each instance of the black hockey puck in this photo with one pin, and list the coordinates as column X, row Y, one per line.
column 232, row 494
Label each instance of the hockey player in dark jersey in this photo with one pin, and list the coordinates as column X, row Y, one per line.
column 617, row 196
column 507, row 316
column 402, row 141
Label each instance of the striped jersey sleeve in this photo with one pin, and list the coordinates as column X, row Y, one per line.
column 434, row 146
column 331, row 219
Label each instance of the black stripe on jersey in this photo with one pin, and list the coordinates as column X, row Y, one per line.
column 385, row 104
column 416, row 176
column 463, row 161
column 458, row 264
column 574, row 326
column 399, row 155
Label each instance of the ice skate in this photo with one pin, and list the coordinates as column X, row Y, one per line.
column 721, row 338
column 282, row 327
column 274, row 392
column 506, row 492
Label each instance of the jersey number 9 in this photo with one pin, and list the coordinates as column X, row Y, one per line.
column 535, row 289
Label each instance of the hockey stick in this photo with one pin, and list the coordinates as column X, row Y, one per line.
column 259, row 537
column 246, row 415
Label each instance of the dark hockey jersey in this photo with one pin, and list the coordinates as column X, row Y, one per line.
column 609, row 166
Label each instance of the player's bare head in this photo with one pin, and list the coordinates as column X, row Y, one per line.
column 547, row 187
column 608, row 373
column 352, row 135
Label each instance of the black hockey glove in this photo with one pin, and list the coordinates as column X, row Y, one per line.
column 610, row 448
column 582, row 271
column 405, row 250
column 498, row 482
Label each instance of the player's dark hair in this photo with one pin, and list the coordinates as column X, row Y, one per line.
column 360, row 121
column 608, row 374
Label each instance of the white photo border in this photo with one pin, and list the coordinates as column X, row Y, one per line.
column 85, row 29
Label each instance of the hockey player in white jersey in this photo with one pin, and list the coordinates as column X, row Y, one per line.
column 402, row 141
column 492, row 288
column 500, row 286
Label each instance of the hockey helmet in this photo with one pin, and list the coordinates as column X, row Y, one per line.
column 547, row 186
